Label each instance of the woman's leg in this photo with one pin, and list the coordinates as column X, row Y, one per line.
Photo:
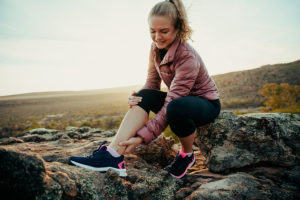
column 134, row 119
column 185, row 114
column 137, row 116
column 187, row 143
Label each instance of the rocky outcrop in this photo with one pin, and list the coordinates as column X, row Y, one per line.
column 21, row 174
column 253, row 156
column 238, row 141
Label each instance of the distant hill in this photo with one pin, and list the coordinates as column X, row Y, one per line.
column 233, row 85
column 33, row 95
column 245, row 84
column 105, row 107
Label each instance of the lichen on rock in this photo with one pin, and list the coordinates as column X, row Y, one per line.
column 251, row 156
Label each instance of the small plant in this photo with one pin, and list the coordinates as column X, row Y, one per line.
column 168, row 132
column 280, row 97
column 86, row 123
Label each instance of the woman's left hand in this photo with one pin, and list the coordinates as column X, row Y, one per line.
column 131, row 144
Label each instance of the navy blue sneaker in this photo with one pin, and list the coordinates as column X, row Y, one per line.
column 180, row 165
column 101, row 160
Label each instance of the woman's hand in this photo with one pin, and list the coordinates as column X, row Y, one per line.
column 131, row 144
column 134, row 100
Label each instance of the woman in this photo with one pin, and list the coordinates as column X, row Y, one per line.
column 192, row 99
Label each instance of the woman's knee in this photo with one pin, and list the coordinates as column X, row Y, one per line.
column 183, row 127
column 175, row 109
column 143, row 92
column 151, row 99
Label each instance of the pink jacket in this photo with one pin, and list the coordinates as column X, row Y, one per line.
column 184, row 73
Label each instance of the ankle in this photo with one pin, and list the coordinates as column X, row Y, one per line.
column 186, row 150
column 188, row 153
column 113, row 152
column 117, row 149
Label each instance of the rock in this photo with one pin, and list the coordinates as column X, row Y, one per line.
column 52, row 190
column 147, row 181
column 293, row 175
column 95, row 130
column 113, row 186
column 83, row 129
column 36, row 138
column 68, row 186
column 243, row 154
column 10, row 140
column 243, row 185
column 54, row 180
column 22, row 175
column 43, row 134
column 235, row 186
column 71, row 129
column 42, row 131
column 108, row 133
column 159, row 152
column 72, row 134
column 86, row 132
column 238, row 141
column 75, row 182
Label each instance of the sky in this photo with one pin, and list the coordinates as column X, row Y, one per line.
column 57, row 45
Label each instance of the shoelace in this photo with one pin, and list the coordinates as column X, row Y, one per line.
column 97, row 150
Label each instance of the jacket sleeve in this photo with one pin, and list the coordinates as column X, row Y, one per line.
column 153, row 79
column 186, row 71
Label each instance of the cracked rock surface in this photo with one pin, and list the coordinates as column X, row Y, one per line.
column 252, row 156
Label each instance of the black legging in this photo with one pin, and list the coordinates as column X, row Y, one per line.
column 184, row 114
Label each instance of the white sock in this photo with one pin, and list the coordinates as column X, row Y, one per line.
column 113, row 152
column 189, row 154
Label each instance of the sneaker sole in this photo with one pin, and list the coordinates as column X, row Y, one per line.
column 189, row 166
column 122, row 172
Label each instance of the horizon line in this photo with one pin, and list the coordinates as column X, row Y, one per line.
column 107, row 88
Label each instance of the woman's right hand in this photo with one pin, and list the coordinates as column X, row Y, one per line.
column 134, row 100
column 131, row 144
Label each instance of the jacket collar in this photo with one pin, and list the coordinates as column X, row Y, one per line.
column 169, row 57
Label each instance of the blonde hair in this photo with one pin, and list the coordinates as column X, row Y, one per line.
column 175, row 10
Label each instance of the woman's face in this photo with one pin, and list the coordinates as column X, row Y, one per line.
column 162, row 31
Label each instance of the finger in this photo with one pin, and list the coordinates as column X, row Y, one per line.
column 126, row 150
column 125, row 143
column 130, row 141
column 131, row 102
column 135, row 101
column 122, row 143
column 129, row 149
column 134, row 97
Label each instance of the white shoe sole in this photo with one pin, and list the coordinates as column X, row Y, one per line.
column 122, row 172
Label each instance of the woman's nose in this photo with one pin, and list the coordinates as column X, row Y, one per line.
column 157, row 36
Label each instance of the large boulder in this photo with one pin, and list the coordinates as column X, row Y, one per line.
column 21, row 175
column 26, row 176
column 238, row 141
column 158, row 153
